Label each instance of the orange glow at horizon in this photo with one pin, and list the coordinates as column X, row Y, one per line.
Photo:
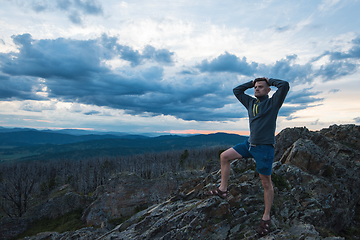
column 193, row 131
column 45, row 121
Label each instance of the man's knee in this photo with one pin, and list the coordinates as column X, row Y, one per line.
column 266, row 181
column 223, row 156
column 229, row 155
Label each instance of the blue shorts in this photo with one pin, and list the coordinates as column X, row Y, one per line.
column 263, row 154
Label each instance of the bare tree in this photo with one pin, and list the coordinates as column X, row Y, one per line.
column 15, row 187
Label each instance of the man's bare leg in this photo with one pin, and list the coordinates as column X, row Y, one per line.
column 268, row 194
column 226, row 158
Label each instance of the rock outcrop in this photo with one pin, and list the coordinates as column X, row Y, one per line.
column 127, row 193
column 61, row 201
column 316, row 181
column 345, row 134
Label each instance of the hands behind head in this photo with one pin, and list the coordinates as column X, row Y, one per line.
column 266, row 79
column 261, row 79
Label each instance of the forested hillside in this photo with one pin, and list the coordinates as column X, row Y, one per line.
column 37, row 145
column 24, row 184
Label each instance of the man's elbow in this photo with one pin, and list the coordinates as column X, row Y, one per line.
column 236, row 91
column 287, row 85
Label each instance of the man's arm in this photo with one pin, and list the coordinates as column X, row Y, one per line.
column 239, row 92
column 283, row 89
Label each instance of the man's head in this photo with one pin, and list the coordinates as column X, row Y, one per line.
column 262, row 87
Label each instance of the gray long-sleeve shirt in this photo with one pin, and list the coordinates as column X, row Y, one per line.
column 262, row 111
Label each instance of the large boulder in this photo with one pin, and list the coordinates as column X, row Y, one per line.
column 128, row 193
column 61, row 201
column 346, row 134
column 286, row 138
column 305, row 155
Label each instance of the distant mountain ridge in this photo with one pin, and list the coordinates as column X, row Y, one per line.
column 28, row 137
column 26, row 145
column 33, row 137
column 79, row 132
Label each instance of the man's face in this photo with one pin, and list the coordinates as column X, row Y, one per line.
column 261, row 89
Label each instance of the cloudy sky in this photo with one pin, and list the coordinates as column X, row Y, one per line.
column 170, row 66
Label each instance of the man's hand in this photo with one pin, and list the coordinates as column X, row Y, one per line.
column 261, row 79
column 267, row 80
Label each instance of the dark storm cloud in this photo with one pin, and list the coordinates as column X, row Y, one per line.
column 341, row 63
column 287, row 69
column 353, row 52
column 287, row 111
column 162, row 56
column 12, row 88
column 299, row 100
column 228, row 63
column 74, row 70
column 182, row 99
column 53, row 58
column 303, row 97
column 69, row 59
column 197, row 105
column 336, row 69
column 103, row 89
column 282, row 69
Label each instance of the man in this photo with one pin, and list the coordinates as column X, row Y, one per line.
column 262, row 112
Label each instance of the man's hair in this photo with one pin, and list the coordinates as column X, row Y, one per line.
column 261, row 79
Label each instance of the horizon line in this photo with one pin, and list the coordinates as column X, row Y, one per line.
column 187, row 131
column 194, row 131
